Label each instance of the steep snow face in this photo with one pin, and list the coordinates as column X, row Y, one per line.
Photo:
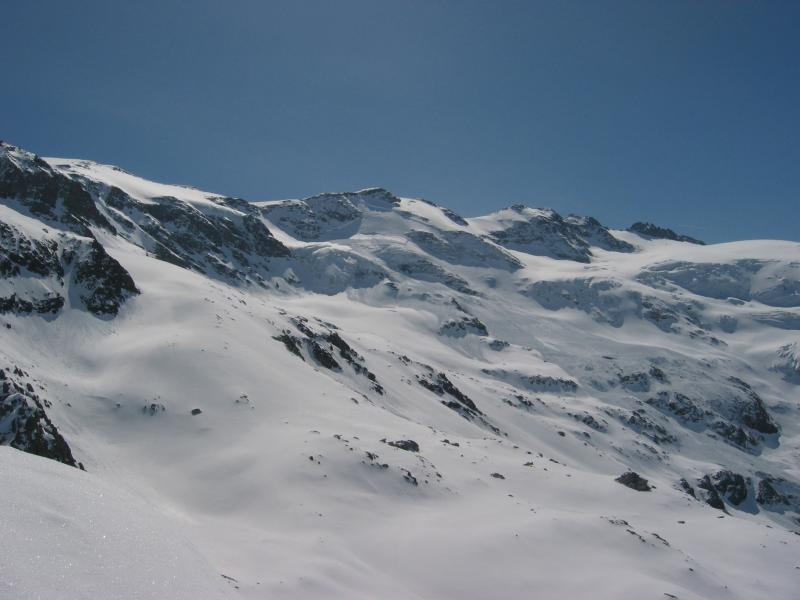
column 359, row 395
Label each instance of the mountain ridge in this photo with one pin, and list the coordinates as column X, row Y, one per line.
column 280, row 370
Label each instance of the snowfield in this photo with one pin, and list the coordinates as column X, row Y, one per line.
column 364, row 396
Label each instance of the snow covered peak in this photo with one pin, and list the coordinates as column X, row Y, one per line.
column 543, row 232
column 650, row 231
column 290, row 384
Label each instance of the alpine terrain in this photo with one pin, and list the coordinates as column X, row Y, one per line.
column 358, row 395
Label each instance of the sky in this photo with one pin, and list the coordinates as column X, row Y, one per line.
column 686, row 114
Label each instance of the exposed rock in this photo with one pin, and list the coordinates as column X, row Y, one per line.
column 768, row 494
column 787, row 362
column 533, row 382
column 463, row 326
column 544, row 232
column 104, row 283
column 731, row 486
column 24, row 423
column 439, row 384
column 634, row 481
column 650, row 231
column 709, row 493
column 408, row 445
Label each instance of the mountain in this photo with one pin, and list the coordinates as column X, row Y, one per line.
column 358, row 395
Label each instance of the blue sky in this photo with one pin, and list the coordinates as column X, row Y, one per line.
column 681, row 113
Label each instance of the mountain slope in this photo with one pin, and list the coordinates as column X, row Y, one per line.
column 361, row 395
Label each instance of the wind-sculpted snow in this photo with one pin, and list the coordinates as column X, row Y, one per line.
column 463, row 248
column 417, row 267
column 359, row 395
column 769, row 282
column 609, row 301
column 779, row 319
column 328, row 270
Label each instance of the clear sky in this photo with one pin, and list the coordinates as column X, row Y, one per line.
column 686, row 114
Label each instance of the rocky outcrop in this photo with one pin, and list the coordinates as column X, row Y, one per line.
column 46, row 192
column 633, row 480
column 36, row 272
column 650, row 231
column 24, row 423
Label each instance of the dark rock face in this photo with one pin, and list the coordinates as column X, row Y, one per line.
column 227, row 244
column 224, row 238
column 321, row 346
column 534, row 383
column 739, row 417
column 40, row 188
column 454, row 217
column 642, row 423
column 731, row 486
column 709, row 493
column 105, row 284
column 751, row 409
column 328, row 216
column 291, row 342
column 544, row 232
column 440, row 385
column 636, row 382
column 463, row 326
column 21, row 254
column 650, row 231
column 24, row 423
column 452, row 397
column 407, row 445
column 323, row 356
column 596, row 234
column 768, row 494
column 634, row 481
column 687, row 487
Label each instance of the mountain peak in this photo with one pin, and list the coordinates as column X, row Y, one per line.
column 363, row 362
column 650, row 231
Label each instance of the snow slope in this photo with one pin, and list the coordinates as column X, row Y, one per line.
column 257, row 393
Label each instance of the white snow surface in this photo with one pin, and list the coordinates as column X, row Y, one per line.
column 70, row 534
column 275, row 484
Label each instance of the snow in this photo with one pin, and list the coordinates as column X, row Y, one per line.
column 69, row 534
column 271, row 484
